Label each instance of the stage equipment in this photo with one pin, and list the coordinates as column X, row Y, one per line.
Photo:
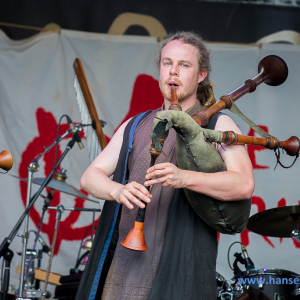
column 40, row 275
column 60, row 209
column 58, row 183
column 95, row 138
column 195, row 152
column 274, row 283
column 277, row 222
column 6, row 160
column 87, row 245
column 33, row 167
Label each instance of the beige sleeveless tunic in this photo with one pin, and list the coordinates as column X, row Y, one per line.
column 132, row 272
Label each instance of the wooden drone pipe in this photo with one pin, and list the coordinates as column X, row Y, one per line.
column 272, row 70
column 291, row 145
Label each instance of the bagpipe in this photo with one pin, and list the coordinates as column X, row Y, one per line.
column 195, row 152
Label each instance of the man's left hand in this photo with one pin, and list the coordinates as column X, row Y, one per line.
column 167, row 174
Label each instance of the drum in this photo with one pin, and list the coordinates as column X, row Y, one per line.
column 224, row 289
column 277, row 284
column 221, row 284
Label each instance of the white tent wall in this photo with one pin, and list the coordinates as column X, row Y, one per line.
column 36, row 89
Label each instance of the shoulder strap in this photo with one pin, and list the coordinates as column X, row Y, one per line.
column 133, row 126
column 212, row 121
column 100, row 257
column 113, row 234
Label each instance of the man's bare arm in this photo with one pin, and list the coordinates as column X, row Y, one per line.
column 95, row 180
column 234, row 184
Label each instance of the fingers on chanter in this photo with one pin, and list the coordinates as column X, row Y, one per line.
column 128, row 199
column 157, row 167
column 135, row 194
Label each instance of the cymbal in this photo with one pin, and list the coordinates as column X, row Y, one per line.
column 276, row 222
column 59, row 184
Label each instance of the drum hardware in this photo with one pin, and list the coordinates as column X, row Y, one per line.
column 85, row 259
column 30, row 271
column 30, row 289
column 30, row 256
column 58, row 183
column 296, row 235
column 221, row 285
column 85, row 245
column 281, row 221
column 60, row 209
column 228, row 289
column 274, row 283
column 33, row 167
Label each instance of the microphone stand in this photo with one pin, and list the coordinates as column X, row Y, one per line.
column 33, row 167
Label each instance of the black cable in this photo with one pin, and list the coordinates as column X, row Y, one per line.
column 81, row 258
column 229, row 251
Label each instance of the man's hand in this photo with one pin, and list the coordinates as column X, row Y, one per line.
column 132, row 192
column 167, row 174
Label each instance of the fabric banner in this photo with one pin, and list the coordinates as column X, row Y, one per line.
column 36, row 90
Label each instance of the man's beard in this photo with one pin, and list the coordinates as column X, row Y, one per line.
column 181, row 95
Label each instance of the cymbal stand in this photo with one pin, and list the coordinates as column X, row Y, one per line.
column 93, row 225
column 47, row 202
column 4, row 247
column 60, row 209
column 295, row 234
column 33, row 167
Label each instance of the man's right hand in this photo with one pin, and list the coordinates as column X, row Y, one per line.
column 130, row 193
column 96, row 179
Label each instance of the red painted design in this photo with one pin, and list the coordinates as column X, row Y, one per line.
column 253, row 148
column 47, row 127
column 261, row 206
column 146, row 95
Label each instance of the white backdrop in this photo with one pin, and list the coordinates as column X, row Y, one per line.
column 36, row 89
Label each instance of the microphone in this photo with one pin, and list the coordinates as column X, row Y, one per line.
column 248, row 262
column 75, row 133
column 46, row 248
